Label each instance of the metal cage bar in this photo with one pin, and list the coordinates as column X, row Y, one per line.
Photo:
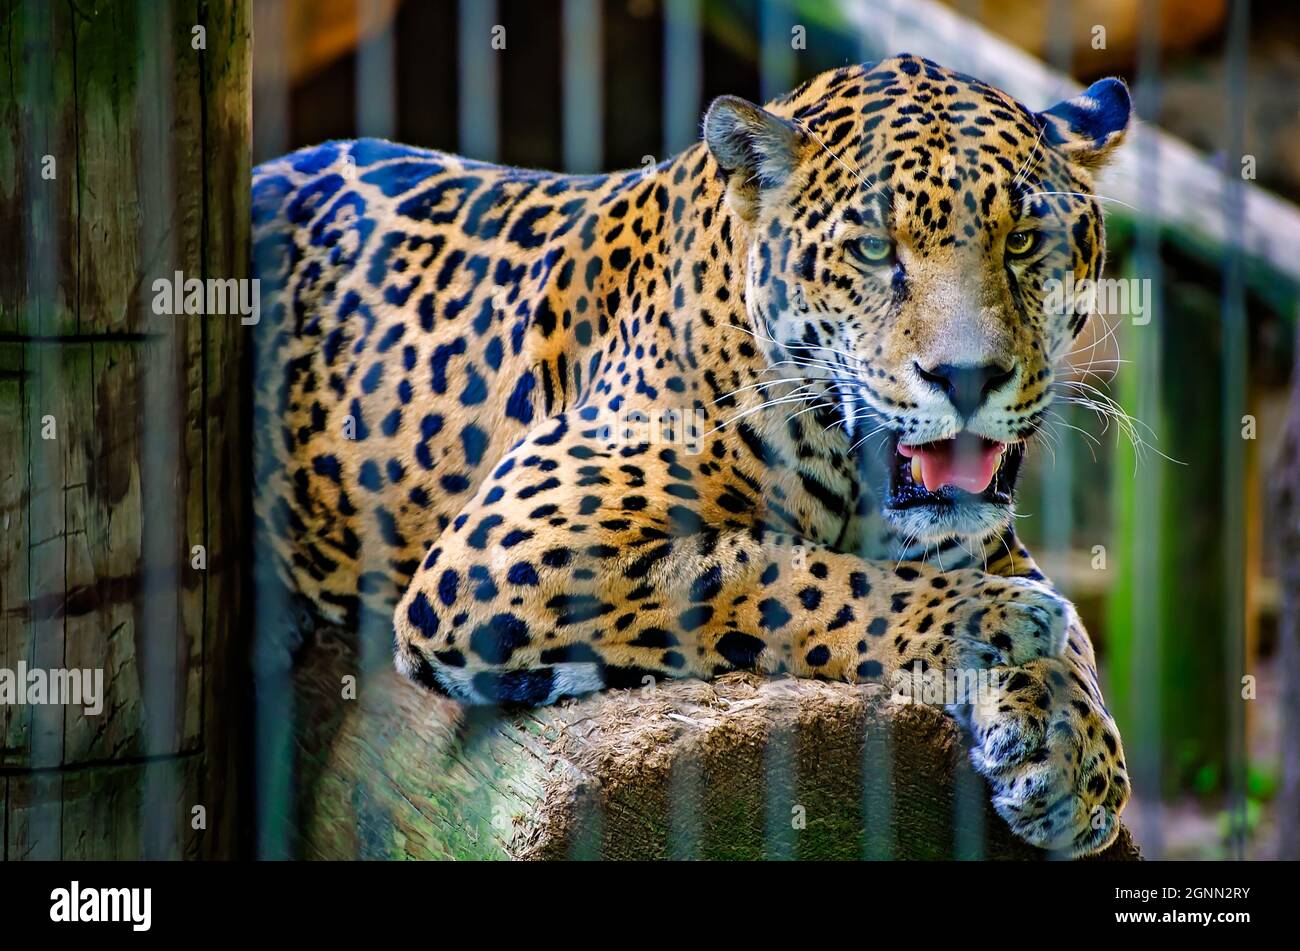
column 583, row 86
column 376, row 103
column 1235, row 407
column 479, row 87
column 682, row 75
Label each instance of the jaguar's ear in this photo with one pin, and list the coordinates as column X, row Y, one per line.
column 1088, row 127
column 754, row 148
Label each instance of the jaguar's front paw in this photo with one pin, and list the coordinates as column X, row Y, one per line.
column 1053, row 757
column 1039, row 620
column 1003, row 624
column 1015, row 620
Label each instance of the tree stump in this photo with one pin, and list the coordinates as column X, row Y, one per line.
column 740, row 768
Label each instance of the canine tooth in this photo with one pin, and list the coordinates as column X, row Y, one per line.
column 916, row 470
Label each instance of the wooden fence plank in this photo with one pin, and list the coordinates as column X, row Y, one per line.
column 124, row 127
column 227, row 150
column 38, row 168
column 110, row 205
column 14, row 613
column 46, row 414
column 137, row 95
column 106, row 811
column 88, row 578
column 35, row 807
column 99, row 812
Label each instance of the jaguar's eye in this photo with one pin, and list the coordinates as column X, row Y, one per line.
column 873, row 249
column 1020, row 243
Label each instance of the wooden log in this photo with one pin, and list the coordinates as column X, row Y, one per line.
column 739, row 768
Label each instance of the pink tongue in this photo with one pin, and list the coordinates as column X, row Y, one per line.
column 967, row 464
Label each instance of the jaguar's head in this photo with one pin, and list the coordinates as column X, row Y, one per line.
column 913, row 235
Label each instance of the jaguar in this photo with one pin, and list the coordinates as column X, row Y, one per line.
column 761, row 406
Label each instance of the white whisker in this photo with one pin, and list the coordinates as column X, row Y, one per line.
column 1084, row 195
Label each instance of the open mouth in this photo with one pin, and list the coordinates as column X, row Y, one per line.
column 967, row 468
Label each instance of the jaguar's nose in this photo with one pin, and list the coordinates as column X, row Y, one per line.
column 967, row 386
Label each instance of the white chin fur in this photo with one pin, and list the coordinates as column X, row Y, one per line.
column 968, row 521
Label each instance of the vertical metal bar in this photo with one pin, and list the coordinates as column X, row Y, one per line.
column 376, row 104
column 681, row 85
column 1055, row 517
column 479, row 99
column 683, row 75
column 42, row 363
column 972, row 53
column 1058, row 497
column 1058, row 469
column 274, row 706
column 588, row 841
column 780, row 764
column 870, row 47
column 969, row 796
column 684, row 809
column 1234, row 407
column 1059, row 36
column 160, row 426
column 376, row 116
column 877, row 792
column 583, row 86
column 877, row 28
column 970, row 793
column 776, row 76
column 776, row 54
column 270, row 82
column 1146, row 687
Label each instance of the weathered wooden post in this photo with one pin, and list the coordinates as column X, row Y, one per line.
column 124, row 161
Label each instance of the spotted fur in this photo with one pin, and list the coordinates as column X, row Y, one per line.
column 454, row 354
